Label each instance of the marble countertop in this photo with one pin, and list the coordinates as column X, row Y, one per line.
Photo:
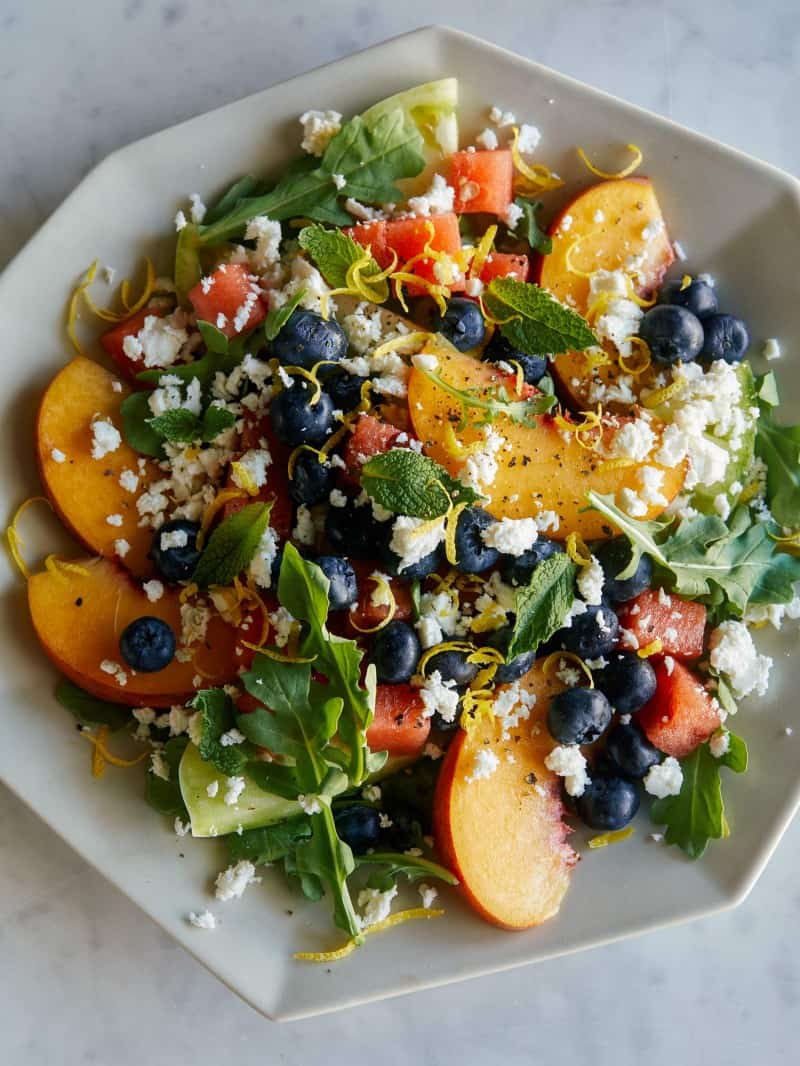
column 84, row 976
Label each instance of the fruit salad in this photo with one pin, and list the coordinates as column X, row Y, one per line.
column 423, row 522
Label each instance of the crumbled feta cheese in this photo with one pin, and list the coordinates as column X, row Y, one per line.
column 252, row 468
column 429, row 632
column 598, row 216
column 529, row 137
column 57, row 455
column 158, row 343
column 664, row 779
column 512, row 705
column 513, row 216
column 473, row 287
column 734, row 655
column 362, row 211
column 212, row 789
column 633, row 440
column 159, row 766
column 232, row 738
column 231, row 883
column 129, row 480
column 497, row 117
column 673, row 447
column 481, row 466
column 154, row 590
column 202, row 919
column 651, row 480
column 511, row 536
column 484, row 765
column 181, row 828
column 487, row 139
column 438, row 200
column 176, row 538
column 281, row 622
column 590, row 581
column 235, row 787
column 339, row 180
column 260, row 568
column 427, row 894
column 267, row 235
column 106, row 437
column 309, row 804
column 114, row 519
column 771, row 349
column 319, row 128
column 337, row 498
column 720, row 743
column 198, row 208
column 568, row 761
column 439, row 696
column 304, row 531
column 632, row 504
column 194, row 623
column 425, row 361
column 180, row 221
column 121, row 547
column 375, row 906
column 432, row 751
column 414, row 538
column 371, row 793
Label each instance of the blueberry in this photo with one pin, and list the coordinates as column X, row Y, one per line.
column 343, row 588
column 472, row 555
column 404, row 832
column 698, row 297
column 593, row 633
column 726, row 337
column 517, row 571
column 147, row 644
column 427, row 565
column 508, row 672
column 178, row 562
column 462, row 323
column 671, row 333
column 614, row 556
column 609, row 802
column 353, row 531
column 628, row 681
column 578, row 715
column 311, row 480
column 344, row 389
column 359, row 826
column 452, row 666
column 629, row 751
column 296, row 420
column 499, row 350
column 307, row 338
column 395, row 652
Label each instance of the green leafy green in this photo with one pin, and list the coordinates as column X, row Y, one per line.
column 240, row 190
column 327, row 857
column 165, row 796
column 215, row 340
column 136, row 428
column 493, row 402
column 219, row 717
column 183, row 426
column 232, row 545
column 278, row 317
column 724, row 566
column 542, row 605
column 269, row 843
column 697, row 814
column 534, row 235
column 405, row 482
column 410, row 866
column 533, row 321
column 334, row 253
column 779, row 447
column 188, row 268
column 89, row 710
column 370, row 156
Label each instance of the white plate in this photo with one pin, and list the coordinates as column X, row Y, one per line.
column 737, row 218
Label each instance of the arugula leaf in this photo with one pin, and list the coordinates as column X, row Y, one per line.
column 165, row 796
column 269, row 843
column 779, row 447
column 328, row 858
column 697, row 814
column 726, row 566
column 542, row 604
column 232, row 545
column 218, row 717
column 371, row 157
column 493, row 402
column 535, row 236
column 397, row 863
column 334, row 253
column 278, row 317
column 89, row 710
column 533, row 321
column 240, row 190
column 136, row 428
column 405, row 482
column 215, row 340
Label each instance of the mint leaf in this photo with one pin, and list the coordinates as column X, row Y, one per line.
column 697, row 814
column 218, row 717
column 269, row 843
column 542, row 605
column 89, row 710
column 334, row 253
column 165, row 796
column 536, row 237
column 779, row 447
column 216, row 420
column 232, row 545
column 537, row 323
column 136, row 428
column 179, row 426
column 215, row 340
column 405, row 482
column 278, row 317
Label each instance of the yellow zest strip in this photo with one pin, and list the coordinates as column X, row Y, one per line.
column 486, row 655
column 72, row 306
column 188, row 591
column 653, row 648
column 108, row 756
column 451, row 526
column 616, row 464
column 577, row 551
column 749, row 491
column 380, row 583
column 611, row 175
column 551, row 665
column 416, row 339
column 595, row 357
column 487, row 314
column 453, row 446
column 243, row 477
column 591, row 420
column 214, row 508
column 602, row 840
column 356, row 284
column 568, row 263
column 60, row 568
column 644, row 349
column 321, row 457
column 686, row 281
column 129, row 308
column 633, row 295
column 443, row 259
column 790, row 540
column 14, row 538
column 520, row 376
column 98, row 762
column 488, row 620
column 379, row 927
column 438, row 292
column 310, row 376
column 484, row 678
column 538, row 175
column 655, row 399
column 255, row 598
column 482, row 252
column 448, row 645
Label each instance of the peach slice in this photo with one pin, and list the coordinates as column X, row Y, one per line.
column 86, row 491
column 542, row 469
column 610, row 225
column 79, row 616
column 504, row 836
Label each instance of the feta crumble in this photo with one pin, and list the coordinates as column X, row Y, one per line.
column 484, row 765
column 375, row 906
column 106, row 438
column 202, row 919
column 154, row 590
column 568, row 761
column 231, row 883
column 319, row 128
column 664, row 779
column 734, row 655
column 438, row 200
column 58, row 456
column 511, row 536
column 439, row 696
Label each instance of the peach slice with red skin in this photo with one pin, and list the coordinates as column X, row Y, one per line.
column 609, row 225
column 504, row 836
column 79, row 615
column 85, row 491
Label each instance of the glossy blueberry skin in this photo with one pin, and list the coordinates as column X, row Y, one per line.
column 296, row 421
column 343, row 589
column 307, row 338
column 147, row 644
column 359, row 826
column 628, row 681
column 499, row 350
column 403, row 833
column 462, row 323
column 671, row 333
column 427, row 565
column 698, row 297
column 726, row 337
column 578, row 716
column 629, row 751
column 344, row 389
column 311, row 480
column 591, row 634
column 452, row 666
column 353, row 531
column 608, row 803
column 176, row 564
column 472, row 555
column 508, row 672
column 517, row 571
column 614, row 555
column 395, row 652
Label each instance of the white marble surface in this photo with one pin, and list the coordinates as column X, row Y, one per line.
column 84, row 976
